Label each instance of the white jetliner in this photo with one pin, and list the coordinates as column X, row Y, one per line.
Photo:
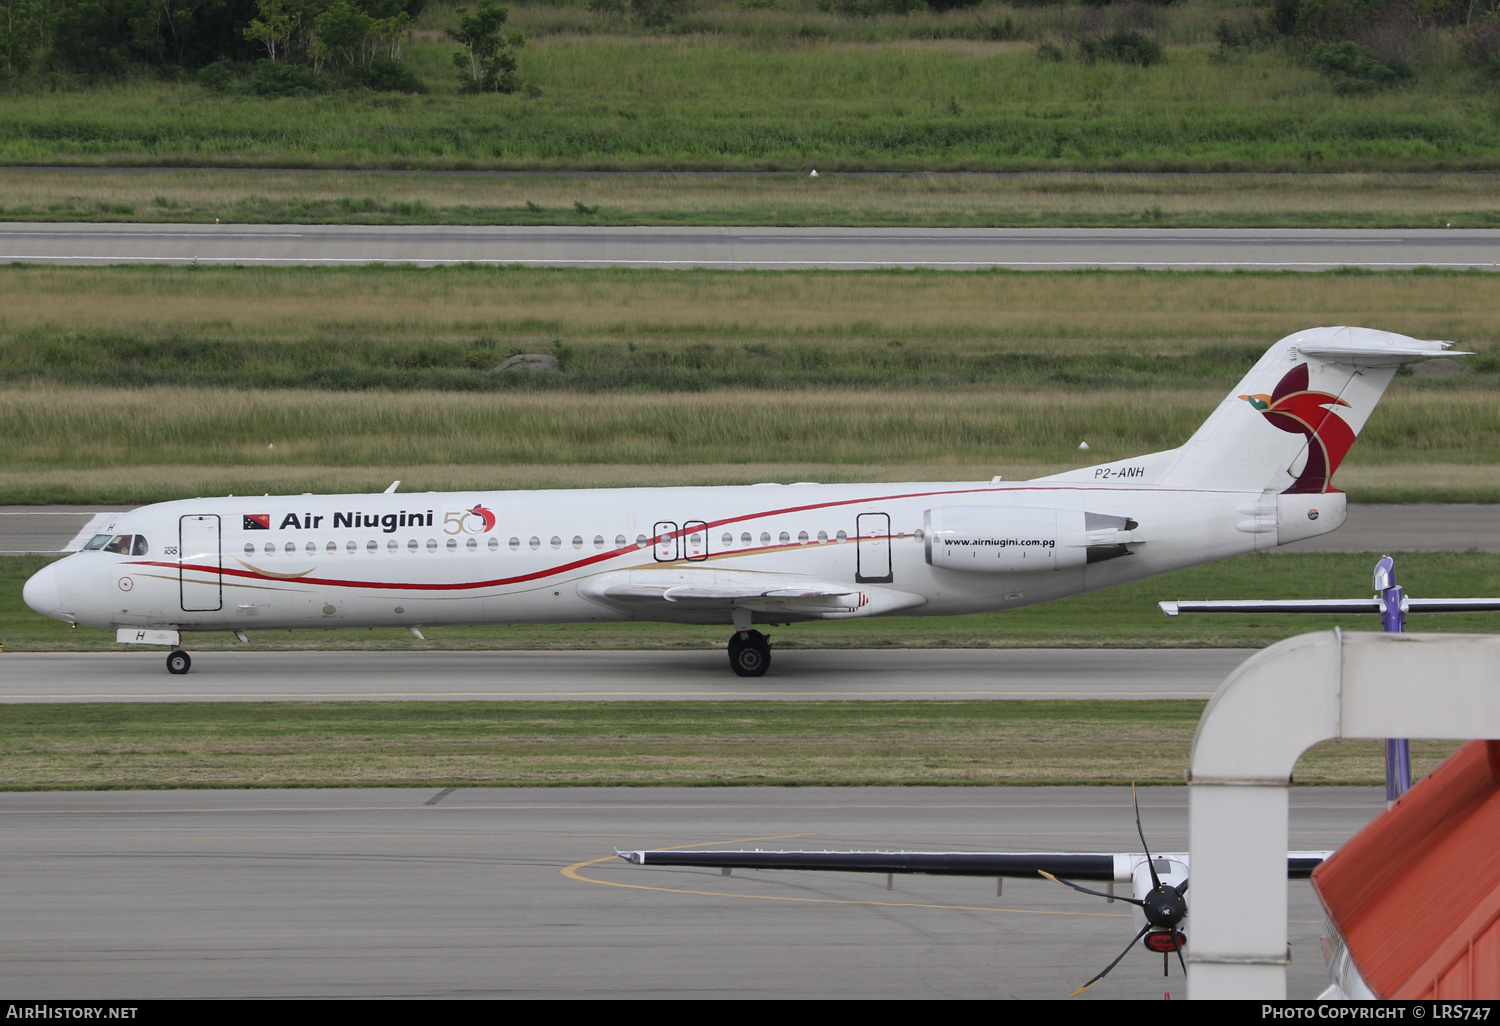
column 1255, row 475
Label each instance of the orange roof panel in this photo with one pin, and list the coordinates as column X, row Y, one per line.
column 1416, row 894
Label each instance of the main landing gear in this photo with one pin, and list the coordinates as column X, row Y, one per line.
column 749, row 653
column 179, row 661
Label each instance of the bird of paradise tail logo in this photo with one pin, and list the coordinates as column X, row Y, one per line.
column 1296, row 409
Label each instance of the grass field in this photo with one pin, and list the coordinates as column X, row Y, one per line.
column 921, row 200
column 640, row 330
column 153, row 444
column 1122, row 617
column 711, row 100
column 516, row 744
column 290, row 380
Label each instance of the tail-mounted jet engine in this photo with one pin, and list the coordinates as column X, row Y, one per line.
column 1021, row 539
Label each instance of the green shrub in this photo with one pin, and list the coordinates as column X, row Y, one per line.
column 219, row 76
column 1121, row 48
column 272, row 79
column 384, row 75
column 1356, row 68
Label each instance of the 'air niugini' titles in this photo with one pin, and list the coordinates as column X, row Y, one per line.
column 386, row 522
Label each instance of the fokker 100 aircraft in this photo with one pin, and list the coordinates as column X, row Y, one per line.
column 1257, row 474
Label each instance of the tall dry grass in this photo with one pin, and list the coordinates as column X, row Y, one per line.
column 1155, row 312
column 54, row 428
column 397, row 197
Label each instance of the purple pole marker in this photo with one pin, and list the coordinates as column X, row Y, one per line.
column 1393, row 621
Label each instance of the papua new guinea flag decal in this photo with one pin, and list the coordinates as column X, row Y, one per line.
column 257, row 522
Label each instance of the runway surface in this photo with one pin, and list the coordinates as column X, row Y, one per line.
column 499, row 893
column 751, row 247
column 1377, row 528
column 842, row 675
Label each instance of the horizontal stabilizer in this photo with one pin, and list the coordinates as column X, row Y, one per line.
column 1330, row 606
column 1333, row 606
column 1392, row 353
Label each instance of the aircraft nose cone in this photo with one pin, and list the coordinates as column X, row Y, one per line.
column 40, row 593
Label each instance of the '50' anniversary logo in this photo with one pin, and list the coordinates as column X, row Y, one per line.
column 477, row 520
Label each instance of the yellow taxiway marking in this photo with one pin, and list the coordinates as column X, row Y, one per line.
column 573, row 872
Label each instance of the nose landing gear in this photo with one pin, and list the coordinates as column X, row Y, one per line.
column 179, row 661
column 749, row 653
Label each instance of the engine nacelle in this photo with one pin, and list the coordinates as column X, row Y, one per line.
column 1021, row 539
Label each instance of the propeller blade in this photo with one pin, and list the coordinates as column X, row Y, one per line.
column 1111, row 965
column 1097, row 894
column 1155, row 880
column 1177, row 946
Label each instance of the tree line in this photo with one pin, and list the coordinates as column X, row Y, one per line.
column 276, row 44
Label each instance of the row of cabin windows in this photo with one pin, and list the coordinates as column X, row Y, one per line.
column 472, row 544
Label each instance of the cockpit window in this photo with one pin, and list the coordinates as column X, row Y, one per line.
column 121, row 544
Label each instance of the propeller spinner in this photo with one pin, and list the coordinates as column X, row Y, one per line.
column 1164, row 906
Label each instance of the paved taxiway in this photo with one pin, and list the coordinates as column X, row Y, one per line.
column 489, row 893
column 745, row 247
column 1424, row 527
column 847, row 675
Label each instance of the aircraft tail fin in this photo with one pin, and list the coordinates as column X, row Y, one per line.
column 1290, row 421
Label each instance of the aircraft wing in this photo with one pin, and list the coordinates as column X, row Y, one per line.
column 707, row 589
column 1100, row 866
